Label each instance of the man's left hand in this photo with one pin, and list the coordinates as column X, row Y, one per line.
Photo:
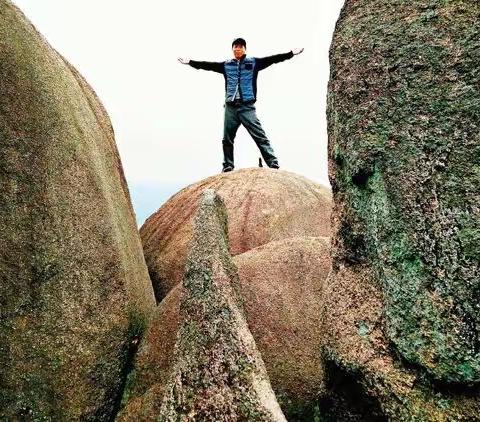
column 296, row 51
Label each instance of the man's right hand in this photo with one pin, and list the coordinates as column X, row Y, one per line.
column 183, row 60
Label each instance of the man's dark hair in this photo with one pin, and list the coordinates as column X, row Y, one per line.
column 240, row 41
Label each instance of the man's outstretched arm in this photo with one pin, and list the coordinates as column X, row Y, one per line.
column 213, row 66
column 263, row 62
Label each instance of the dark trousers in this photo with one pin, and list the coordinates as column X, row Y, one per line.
column 246, row 115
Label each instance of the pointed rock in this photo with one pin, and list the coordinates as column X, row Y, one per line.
column 281, row 287
column 218, row 373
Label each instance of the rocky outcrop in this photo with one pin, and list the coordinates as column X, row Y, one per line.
column 402, row 311
column 281, row 288
column 263, row 205
column 217, row 372
column 281, row 282
column 74, row 288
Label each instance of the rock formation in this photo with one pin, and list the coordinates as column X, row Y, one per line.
column 282, row 286
column 281, row 281
column 217, row 372
column 392, row 334
column 281, row 290
column 263, row 205
column 402, row 313
column 74, row 288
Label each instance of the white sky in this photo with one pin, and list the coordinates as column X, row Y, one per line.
column 168, row 117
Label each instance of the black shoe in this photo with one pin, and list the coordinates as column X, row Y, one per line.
column 275, row 166
column 227, row 169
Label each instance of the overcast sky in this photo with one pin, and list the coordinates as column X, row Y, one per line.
column 168, row 117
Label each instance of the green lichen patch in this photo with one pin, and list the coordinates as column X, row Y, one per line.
column 403, row 113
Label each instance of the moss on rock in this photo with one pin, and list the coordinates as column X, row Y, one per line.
column 404, row 113
column 404, row 150
column 281, row 286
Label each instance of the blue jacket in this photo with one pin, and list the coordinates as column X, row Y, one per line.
column 241, row 73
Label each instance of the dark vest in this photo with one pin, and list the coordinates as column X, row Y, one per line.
column 241, row 73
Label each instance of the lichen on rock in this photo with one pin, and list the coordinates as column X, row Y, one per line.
column 404, row 148
column 281, row 287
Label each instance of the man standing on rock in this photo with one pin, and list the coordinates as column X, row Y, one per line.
column 240, row 75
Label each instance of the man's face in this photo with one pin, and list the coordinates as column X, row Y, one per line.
column 238, row 50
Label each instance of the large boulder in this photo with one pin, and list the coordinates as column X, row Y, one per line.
column 281, row 287
column 282, row 284
column 404, row 147
column 262, row 204
column 216, row 371
column 74, row 288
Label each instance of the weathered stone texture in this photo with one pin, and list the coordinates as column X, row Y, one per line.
column 281, row 288
column 217, row 374
column 404, row 114
column 74, row 288
column 404, row 151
